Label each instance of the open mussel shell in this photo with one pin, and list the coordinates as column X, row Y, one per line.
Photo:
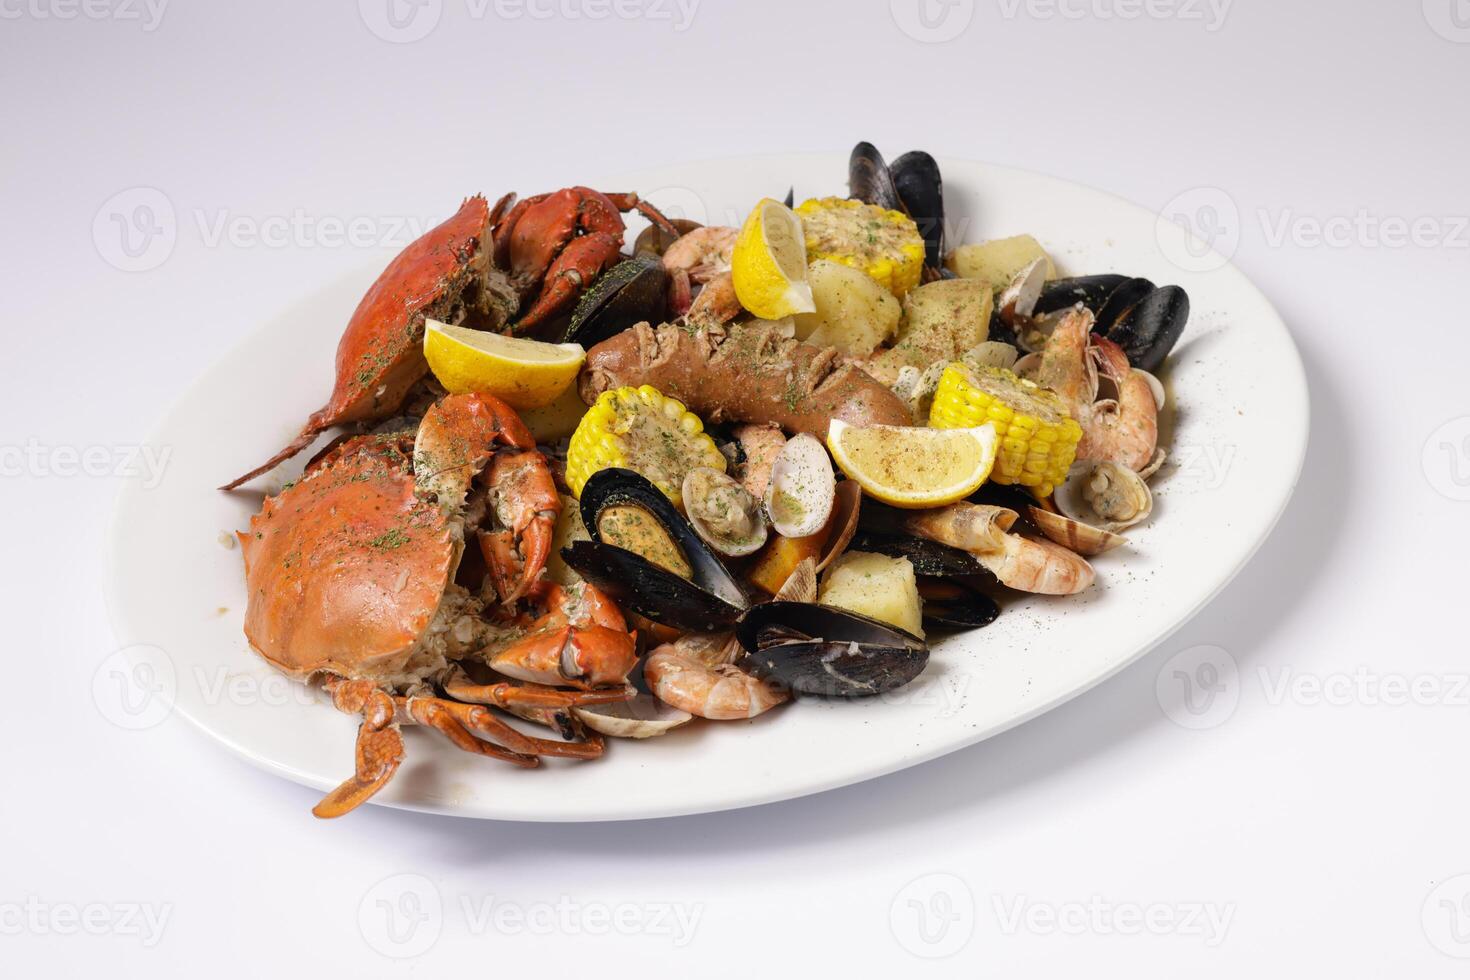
column 1148, row 331
column 952, row 605
column 927, row 557
column 630, row 292
column 822, row 650
column 1091, row 291
column 920, row 189
column 869, row 178
column 705, row 597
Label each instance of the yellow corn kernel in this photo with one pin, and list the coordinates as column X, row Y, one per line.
column 644, row 430
column 884, row 244
column 1038, row 438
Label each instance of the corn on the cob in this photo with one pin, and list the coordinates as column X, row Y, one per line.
column 1038, row 438
column 644, row 430
column 884, row 244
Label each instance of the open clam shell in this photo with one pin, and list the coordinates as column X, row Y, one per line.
column 814, row 649
column 802, row 489
column 641, row 716
column 1082, row 538
column 722, row 512
column 1104, row 495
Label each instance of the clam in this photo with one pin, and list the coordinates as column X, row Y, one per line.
column 649, row 559
column 630, row 292
column 846, row 509
column 1098, row 500
column 1104, row 495
column 653, row 240
column 1017, row 302
column 802, row 488
column 814, row 649
column 641, row 716
column 723, row 512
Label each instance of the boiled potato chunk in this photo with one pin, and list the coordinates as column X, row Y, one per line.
column 876, row 586
column 941, row 320
column 998, row 262
column 854, row 313
column 569, row 528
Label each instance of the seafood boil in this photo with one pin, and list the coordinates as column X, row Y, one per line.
column 576, row 486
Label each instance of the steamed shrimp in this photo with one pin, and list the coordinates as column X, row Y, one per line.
column 697, row 674
column 1124, row 430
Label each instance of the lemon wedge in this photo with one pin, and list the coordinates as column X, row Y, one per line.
column 914, row 467
column 522, row 373
column 769, row 263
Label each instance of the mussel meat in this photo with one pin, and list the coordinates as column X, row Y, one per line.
column 630, row 292
column 822, row 650
column 649, row 559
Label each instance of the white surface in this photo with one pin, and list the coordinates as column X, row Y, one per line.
column 1332, row 830
column 1235, row 378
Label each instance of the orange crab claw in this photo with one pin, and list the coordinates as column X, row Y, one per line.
column 582, row 261
column 527, row 507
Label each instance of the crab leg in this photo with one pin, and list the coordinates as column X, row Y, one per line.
column 379, row 745
column 482, row 722
column 444, row 717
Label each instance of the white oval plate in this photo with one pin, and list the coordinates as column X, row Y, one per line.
column 1239, row 436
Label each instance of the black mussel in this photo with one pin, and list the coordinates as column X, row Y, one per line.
column 1001, row 331
column 870, row 180
column 630, row 292
column 1120, row 302
column 1091, row 291
column 927, row 557
column 648, row 558
column 640, row 586
column 921, row 192
column 790, row 199
column 1149, row 331
column 823, row 650
column 951, row 605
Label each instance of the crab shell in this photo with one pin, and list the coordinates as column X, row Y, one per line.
column 446, row 274
column 346, row 569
